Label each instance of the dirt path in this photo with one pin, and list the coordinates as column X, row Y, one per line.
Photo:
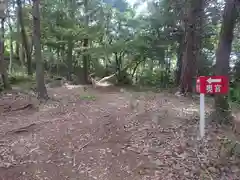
column 95, row 135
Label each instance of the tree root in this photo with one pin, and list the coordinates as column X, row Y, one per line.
column 27, row 106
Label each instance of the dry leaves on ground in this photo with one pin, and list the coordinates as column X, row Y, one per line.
column 103, row 138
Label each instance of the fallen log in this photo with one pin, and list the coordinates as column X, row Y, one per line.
column 104, row 82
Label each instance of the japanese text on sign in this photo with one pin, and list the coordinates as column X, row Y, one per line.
column 212, row 85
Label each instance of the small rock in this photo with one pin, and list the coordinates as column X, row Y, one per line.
column 158, row 162
column 237, row 148
column 186, row 173
column 123, row 151
column 235, row 169
column 212, row 169
column 177, row 167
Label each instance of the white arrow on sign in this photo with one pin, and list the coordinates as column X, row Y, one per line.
column 210, row 80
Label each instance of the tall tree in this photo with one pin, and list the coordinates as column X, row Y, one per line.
column 86, row 43
column 193, row 23
column 41, row 88
column 11, row 42
column 3, row 70
column 72, row 8
column 223, row 113
column 24, row 38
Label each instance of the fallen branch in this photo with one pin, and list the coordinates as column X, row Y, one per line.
column 83, row 146
column 29, row 106
column 104, row 82
column 21, row 129
column 106, row 78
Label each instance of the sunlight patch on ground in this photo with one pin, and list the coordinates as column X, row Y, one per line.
column 69, row 86
column 186, row 111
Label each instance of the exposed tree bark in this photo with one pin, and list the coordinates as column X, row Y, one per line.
column 179, row 58
column 18, row 35
column 136, row 66
column 24, row 38
column 118, row 65
column 18, row 38
column 85, row 45
column 19, row 48
column 72, row 9
column 85, row 62
column 11, row 45
column 222, row 110
column 191, row 53
column 70, row 59
column 41, row 88
column 3, row 70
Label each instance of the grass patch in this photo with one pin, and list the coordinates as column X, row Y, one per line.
column 18, row 78
column 22, row 80
column 88, row 97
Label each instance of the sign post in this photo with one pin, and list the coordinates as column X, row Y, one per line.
column 209, row 85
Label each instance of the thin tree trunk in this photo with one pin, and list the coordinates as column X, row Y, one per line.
column 11, row 46
column 24, row 39
column 18, row 34
column 135, row 68
column 58, row 60
column 70, row 59
column 72, row 9
column 41, row 88
column 85, row 45
column 19, row 49
column 3, row 70
column 179, row 58
column 222, row 110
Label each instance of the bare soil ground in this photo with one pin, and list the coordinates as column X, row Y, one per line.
column 94, row 134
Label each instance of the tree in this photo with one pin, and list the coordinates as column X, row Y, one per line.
column 41, row 88
column 24, row 38
column 108, row 37
column 3, row 70
column 230, row 14
column 86, row 57
column 193, row 24
column 72, row 8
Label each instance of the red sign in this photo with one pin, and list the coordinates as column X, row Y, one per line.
column 212, row 85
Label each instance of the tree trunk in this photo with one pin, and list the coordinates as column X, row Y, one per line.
column 222, row 110
column 3, row 70
column 19, row 49
column 18, row 35
column 191, row 53
column 70, row 59
column 11, row 47
column 179, row 59
column 41, row 88
column 24, row 38
column 136, row 66
column 72, row 10
column 85, row 45
column 58, row 58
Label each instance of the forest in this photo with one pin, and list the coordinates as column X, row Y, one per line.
column 168, row 46
column 154, row 45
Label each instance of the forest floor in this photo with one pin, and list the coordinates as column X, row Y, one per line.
column 94, row 134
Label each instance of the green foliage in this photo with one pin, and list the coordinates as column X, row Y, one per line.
column 138, row 48
column 235, row 94
column 19, row 78
column 158, row 78
column 88, row 97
